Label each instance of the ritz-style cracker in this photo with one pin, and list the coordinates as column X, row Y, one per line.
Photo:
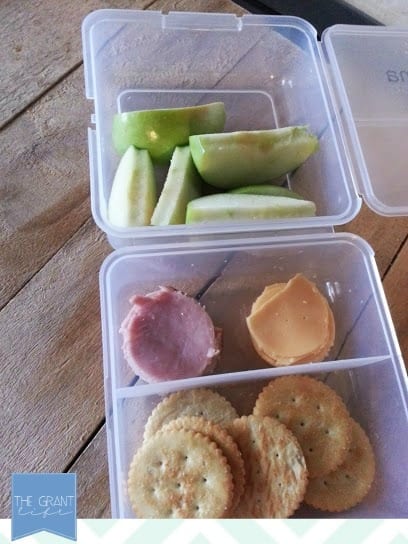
column 315, row 414
column 223, row 440
column 276, row 473
column 180, row 474
column 190, row 402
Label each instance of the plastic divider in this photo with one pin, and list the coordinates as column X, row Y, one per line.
column 164, row 388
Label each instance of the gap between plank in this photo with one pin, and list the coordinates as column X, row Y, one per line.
column 85, row 445
column 394, row 258
column 21, row 287
column 41, row 95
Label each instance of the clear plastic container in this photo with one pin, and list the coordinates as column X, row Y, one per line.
column 364, row 366
column 352, row 91
column 267, row 71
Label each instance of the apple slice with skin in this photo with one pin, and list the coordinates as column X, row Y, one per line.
column 182, row 185
column 232, row 207
column 271, row 190
column 133, row 195
column 160, row 131
column 237, row 159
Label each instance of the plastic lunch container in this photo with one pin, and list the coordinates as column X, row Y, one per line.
column 352, row 90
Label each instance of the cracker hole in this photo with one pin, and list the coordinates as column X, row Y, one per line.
column 326, row 431
column 279, row 484
column 185, row 457
column 347, row 476
column 324, row 482
column 318, row 406
column 277, row 416
column 204, row 480
column 276, row 454
column 293, row 399
column 197, row 507
column 178, row 484
column 201, row 413
column 302, row 423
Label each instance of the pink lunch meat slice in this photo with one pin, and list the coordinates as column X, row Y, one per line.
column 167, row 335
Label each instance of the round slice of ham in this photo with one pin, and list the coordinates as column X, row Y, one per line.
column 167, row 335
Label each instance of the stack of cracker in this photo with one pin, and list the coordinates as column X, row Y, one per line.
column 199, row 459
column 338, row 454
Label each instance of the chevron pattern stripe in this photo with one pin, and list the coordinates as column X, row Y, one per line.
column 226, row 531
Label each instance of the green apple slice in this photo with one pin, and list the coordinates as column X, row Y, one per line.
column 271, row 190
column 182, row 185
column 133, row 194
column 232, row 207
column 236, row 159
column 160, row 131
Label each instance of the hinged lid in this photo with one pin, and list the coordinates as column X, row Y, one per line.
column 369, row 67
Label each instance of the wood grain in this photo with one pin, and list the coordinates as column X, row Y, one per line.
column 45, row 182
column 41, row 42
column 52, row 384
column 92, row 473
column 384, row 234
column 396, row 291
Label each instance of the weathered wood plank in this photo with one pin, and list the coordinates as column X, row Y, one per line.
column 217, row 6
column 91, row 469
column 45, row 182
column 41, row 41
column 396, row 291
column 51, row 382
column 384, row 234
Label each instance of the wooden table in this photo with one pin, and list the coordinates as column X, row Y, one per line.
column 51, row 387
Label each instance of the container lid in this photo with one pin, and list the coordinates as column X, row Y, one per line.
column 369, row 69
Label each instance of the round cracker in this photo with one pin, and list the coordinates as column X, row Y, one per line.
column 190, row 402
column 180, row 474
column 315, row 414
column 275, row 468
column 350, row 482
column 224, row 441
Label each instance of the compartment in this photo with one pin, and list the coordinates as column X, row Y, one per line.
column 265, row 69
column 227, row 280
column 372, row 394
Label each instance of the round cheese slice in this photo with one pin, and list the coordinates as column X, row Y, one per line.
column 313, row 357
column 294, row 325
column 267, row 294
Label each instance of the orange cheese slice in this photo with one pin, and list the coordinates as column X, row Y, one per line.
column 315, row 357
column 291, row 324
column 267, row 294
